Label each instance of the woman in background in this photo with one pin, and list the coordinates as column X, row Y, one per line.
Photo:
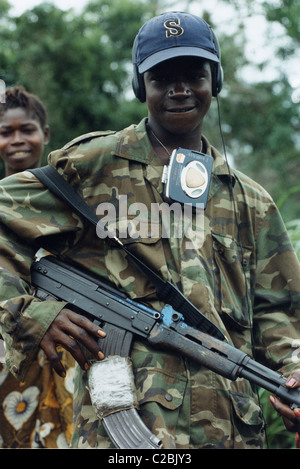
column 36, row 413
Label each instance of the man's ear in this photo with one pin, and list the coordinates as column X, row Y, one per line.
column 46, row 131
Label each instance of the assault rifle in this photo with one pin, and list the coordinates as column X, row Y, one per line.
column 123, row 318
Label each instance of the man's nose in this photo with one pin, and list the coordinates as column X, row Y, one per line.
column 179, row 89
column 17, row 137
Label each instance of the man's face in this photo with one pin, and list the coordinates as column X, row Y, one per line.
column 22, row 140
column 178, row 94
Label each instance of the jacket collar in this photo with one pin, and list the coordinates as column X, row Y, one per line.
column 134, row 144
column 220, row 167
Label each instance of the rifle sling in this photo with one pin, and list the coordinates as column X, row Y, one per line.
column 166, row 291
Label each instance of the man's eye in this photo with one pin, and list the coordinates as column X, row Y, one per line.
column 197, row 75
column 4, row 133
column 160, row 78
column 29, row 130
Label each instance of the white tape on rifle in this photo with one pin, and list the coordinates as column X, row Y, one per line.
column 111, row 385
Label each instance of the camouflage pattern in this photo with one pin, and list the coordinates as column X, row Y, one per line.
column 255, row 291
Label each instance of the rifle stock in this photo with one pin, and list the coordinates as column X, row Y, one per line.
column 124, row 318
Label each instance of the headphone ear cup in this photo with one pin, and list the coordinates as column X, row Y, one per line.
column 220, row 78
column 218, row 74
column 217, row 79
column 138, row 84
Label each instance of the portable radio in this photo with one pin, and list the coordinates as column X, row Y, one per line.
column 187, row 177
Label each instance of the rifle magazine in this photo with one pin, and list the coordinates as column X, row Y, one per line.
column 127, row 431
column 125, row 427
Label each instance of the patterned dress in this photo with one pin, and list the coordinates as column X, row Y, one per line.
column 37, row 413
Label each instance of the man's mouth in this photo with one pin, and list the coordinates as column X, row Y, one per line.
column 181, row 110
column 19, row 153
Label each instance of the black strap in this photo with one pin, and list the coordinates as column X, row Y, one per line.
column 166, row 291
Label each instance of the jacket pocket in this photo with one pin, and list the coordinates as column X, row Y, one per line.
column 160, row 387
column 160, row 377
column 232, row 279
column 248, row 419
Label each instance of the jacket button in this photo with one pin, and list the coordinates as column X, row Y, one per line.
column 168, row 397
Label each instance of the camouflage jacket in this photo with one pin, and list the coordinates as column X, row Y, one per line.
column 251, row 293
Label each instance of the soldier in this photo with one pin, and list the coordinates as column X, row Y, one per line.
column 244, row 275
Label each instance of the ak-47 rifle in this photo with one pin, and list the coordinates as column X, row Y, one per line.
column 123, row 318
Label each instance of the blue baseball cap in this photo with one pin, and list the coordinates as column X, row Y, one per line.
column 173, row 34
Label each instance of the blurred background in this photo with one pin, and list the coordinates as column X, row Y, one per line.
column 76, row 56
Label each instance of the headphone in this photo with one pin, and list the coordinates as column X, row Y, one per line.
column 138, row 84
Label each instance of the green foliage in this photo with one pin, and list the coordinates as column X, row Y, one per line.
column 264, row 146
column 277, row 437
column 287, row 13
column 293, row 228
column 4, row 8
column 261, row 122
column 79, row 64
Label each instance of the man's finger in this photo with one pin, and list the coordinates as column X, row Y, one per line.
column 53, row 358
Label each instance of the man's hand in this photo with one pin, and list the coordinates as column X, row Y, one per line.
column 290, row 417
column 67, row 330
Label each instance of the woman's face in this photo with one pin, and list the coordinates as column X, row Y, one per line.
column 22, row 140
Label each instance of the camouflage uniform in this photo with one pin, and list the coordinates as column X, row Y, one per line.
column 186, row 405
